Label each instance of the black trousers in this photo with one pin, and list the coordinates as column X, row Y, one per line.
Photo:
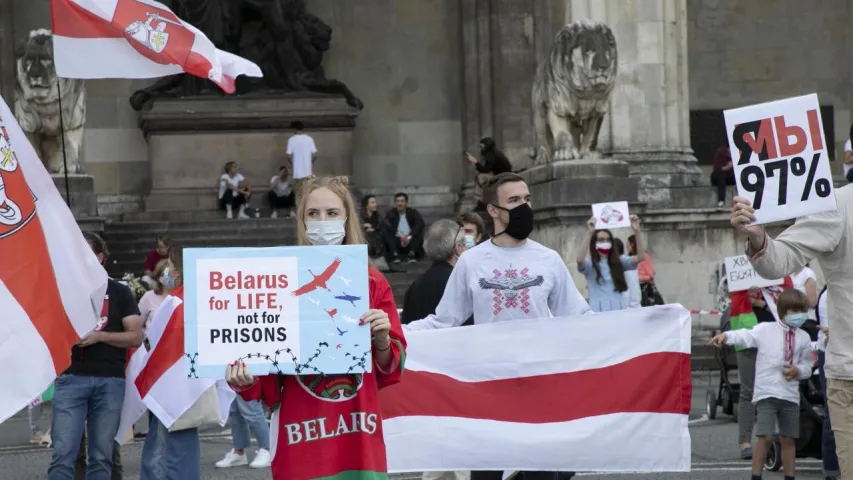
column 721, row 180
column 393, row 246
column 230, row 197
column 277, row 202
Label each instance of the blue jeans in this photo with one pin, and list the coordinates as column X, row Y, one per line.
column 249, row 415
column 830, row 458
column 170, row 455
column 82, row 402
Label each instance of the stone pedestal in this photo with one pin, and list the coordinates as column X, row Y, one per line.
column 84, row 202
column 581, row 182
column 191, row 139
column 648, row 124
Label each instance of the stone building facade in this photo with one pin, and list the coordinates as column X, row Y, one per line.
column 436, row 75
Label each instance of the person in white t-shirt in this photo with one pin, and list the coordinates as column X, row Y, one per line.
column 509, row 277
column 805, row 281
column 302, row 153
column 848, row 158
column 234, row 191
column 281, row 193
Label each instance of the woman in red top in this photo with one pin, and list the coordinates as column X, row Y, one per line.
column 330, row 426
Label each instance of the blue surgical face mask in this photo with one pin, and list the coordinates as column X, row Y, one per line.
column 469, row 241
column 167, row 280
column 796, row 320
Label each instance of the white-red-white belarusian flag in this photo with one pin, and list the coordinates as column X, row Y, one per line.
column 136, row 39
column 157, row 379
column 51, row 284
column 608, row 392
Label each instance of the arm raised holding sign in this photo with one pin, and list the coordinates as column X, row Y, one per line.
column 810, row 237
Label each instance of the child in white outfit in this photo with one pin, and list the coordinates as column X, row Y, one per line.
column 784, row 358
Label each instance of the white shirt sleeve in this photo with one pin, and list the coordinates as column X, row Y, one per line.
column 313, row 145
column 456, row 303
column 565, row 299
column 848, row 147
column 743, row 337
column 290, row 146
column 823, row 313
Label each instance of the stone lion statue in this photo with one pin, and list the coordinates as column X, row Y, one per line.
column 37, row 104
column 572, row 90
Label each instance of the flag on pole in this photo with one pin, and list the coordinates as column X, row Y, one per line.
column 608, row 392
column 136, row 39
column 157, row 379
column 741, row 314
column 51, row 284
column 44, row 398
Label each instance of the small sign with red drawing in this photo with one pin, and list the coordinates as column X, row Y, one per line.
column 611, row 215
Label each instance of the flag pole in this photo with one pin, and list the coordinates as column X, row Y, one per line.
column 62, row 138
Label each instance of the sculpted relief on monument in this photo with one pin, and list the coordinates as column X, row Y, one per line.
column 280, row 36
column 572, row 90
column 37, row 104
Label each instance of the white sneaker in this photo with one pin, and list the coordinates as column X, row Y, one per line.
column 232, row 460
column 262, row 460
column 242, row 212
column 229, row 213
column 274, row 214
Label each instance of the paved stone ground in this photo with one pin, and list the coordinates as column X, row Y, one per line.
column 715, row 453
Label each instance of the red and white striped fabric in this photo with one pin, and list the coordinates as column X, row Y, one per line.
column 136, row 39
column 607, row 392
column 51, row 284
column 157, row 379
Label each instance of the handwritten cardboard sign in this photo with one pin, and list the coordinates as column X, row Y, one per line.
column 611, row 215
column 741, row 276
column 781, row 159
column 288, row 310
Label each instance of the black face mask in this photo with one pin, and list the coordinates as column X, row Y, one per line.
column 520, row 221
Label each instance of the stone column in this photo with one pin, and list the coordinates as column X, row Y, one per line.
column 502, row 42
column 7, row 53
column 648, row 125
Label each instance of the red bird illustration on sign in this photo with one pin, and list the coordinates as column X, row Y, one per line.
column 332, row 312
column 319, row 281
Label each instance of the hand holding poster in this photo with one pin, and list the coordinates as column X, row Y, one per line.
column 611, row 215
column 286, row 310
column 741, row 276
column 780, row 158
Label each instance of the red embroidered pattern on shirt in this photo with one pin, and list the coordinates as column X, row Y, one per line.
column 511, row 289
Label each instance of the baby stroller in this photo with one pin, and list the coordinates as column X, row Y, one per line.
column 727, row 393
column 811, row 425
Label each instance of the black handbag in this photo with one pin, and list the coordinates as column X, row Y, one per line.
column 650, row 295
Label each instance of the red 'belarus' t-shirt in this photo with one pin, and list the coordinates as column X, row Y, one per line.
column 330, row 427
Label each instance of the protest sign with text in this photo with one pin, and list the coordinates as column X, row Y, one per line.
column 781, row 159
column 288, row 310
column 741, row 276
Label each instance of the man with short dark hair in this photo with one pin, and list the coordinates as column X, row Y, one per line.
column 403, row 231
column 507, row 278
column 90, row 393
column 473, row 226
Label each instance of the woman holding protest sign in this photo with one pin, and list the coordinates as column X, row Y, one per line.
column 604, row 268
column 345, row 432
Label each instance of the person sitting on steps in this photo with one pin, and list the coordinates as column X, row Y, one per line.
column 234, row 191
column 281, row 193
column 403, row 231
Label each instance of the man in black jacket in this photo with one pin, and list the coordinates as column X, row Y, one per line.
column 403, row 231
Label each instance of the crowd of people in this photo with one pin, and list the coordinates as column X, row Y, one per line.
column 485, row 268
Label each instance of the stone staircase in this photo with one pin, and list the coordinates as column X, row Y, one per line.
column 131, row 236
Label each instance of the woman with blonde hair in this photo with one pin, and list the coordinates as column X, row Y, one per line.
column 356, row 449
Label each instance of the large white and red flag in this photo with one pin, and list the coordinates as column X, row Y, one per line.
column 51, row 284
column 608, row 392
column 157, row 379
column 136, row 39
